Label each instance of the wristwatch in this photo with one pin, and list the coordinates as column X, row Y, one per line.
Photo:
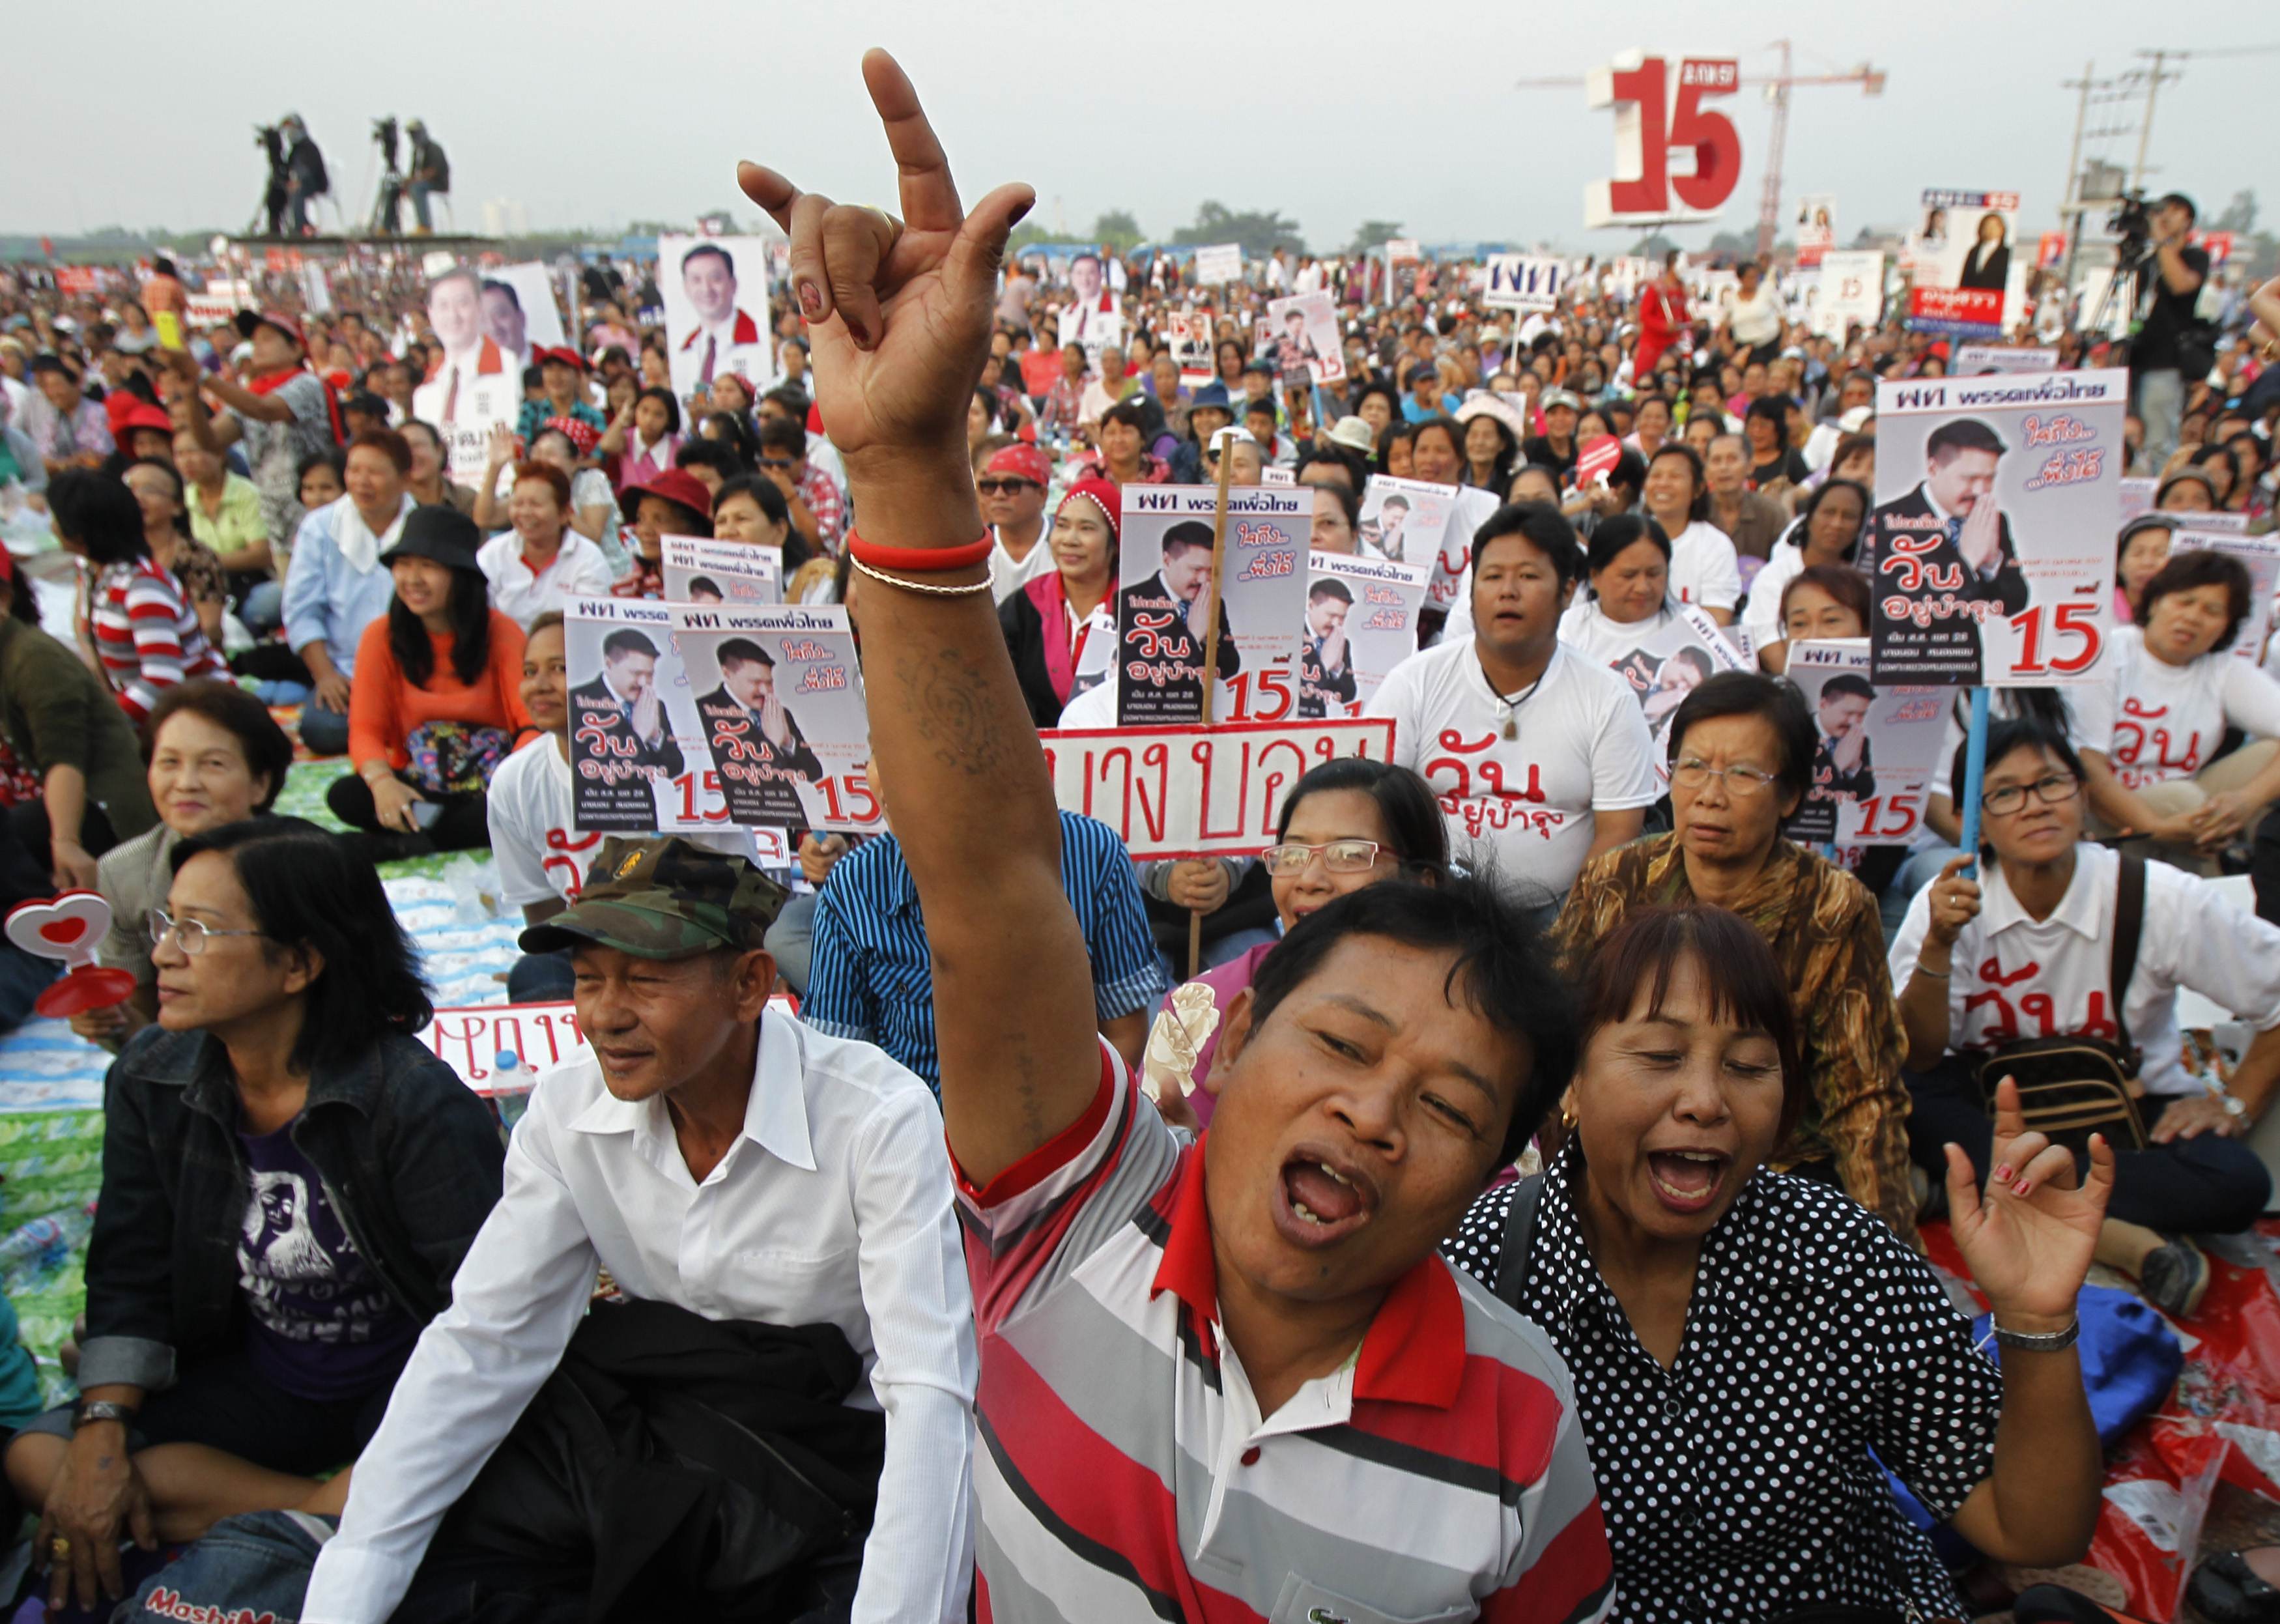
column 2038, row 1342
column 101, row 1410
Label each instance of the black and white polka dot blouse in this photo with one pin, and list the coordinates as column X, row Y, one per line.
column 1738, row 1484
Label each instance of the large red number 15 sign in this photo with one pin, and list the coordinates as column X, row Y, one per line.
column 1655, row 117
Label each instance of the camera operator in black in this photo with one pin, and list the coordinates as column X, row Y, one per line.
column 2171, row 345
column 305, row 172
column 430, row 172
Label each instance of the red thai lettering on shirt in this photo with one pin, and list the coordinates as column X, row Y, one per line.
column 2134, row 730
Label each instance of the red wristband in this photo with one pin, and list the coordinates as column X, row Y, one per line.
column 920, row 560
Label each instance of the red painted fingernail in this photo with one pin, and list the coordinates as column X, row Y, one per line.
column 811, row 302
column 2003, row 1173
column 2021, row 1188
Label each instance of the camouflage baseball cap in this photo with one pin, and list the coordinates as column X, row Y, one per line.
column 663, row 898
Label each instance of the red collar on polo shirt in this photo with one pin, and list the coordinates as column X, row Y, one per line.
column 1414, row 1351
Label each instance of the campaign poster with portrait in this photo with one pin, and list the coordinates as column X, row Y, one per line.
column 1402, row 520
column 1362, row 622
column 1817, row 227
column 1991, row 548
column 474, row 383
column 1961, row 252
column 716, row 311
column 1164, row 594
column 637, row 760
column 704, row 570
column 780, row 704
column 2259, row 555
column 518, row 308
column 1852, row 289
column 1188, row 334
column 1303, row 332
column 1875, row 747
column 1670, row 661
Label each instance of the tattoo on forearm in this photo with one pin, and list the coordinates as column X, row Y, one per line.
column 947, row 699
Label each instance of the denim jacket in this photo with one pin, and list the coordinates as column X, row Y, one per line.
column 411, row 1160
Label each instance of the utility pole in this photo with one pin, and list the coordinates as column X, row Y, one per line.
column 2145, row 124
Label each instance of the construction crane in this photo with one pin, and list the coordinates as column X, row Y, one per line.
column 1777, row 87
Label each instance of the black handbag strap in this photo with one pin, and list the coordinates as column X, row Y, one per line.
column 2128, row 924
column 1519, row 1230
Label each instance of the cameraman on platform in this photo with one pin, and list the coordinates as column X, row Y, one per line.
column 2171, row 346
column 430, row 172
column 305, row 172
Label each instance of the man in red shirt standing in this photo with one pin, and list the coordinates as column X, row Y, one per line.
column 1662, row 316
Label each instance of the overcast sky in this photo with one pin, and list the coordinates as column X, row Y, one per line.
column 595, row 114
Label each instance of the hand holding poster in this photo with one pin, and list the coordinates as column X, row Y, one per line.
column 1362, row 622
column 1992, row 544
column 1303, row 332
column 1874, row 749
column 703, row 570
column 1961, row 252
column 716, row 310
column 1167, row 596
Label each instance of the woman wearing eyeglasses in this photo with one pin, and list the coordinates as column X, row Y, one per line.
column 290, row 1181
column 1348, row 824
column 1741, row 753
column 2026, row 951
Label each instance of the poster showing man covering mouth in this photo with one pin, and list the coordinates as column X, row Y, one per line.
column 1875, row 747
column 1166, row 598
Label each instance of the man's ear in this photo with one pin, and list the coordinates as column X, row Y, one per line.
column 1233, row 1036
column 751, row 980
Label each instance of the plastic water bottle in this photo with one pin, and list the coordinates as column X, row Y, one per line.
column 45, row 1241
column 508, row 1071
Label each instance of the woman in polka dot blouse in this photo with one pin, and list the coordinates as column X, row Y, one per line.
column 1740, row 1339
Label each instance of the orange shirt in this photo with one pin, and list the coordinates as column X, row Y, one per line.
column 384, row 707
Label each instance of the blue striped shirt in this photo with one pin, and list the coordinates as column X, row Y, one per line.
column 870, row 978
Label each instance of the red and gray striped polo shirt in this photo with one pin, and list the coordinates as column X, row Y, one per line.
column 1126, row 1474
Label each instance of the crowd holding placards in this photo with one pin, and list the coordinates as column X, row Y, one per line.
column 1480, row 1176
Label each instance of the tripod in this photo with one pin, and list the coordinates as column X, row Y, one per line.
column 271, row 206
column 388, row 200
column 2129, row 260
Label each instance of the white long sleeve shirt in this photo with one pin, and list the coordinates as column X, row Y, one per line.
column 835, row 1205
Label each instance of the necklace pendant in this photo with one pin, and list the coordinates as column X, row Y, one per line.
column 1511, row 728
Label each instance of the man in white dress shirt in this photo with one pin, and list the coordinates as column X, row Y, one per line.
column 738, row 1166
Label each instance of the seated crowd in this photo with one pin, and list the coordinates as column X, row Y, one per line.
column 1403, row 1251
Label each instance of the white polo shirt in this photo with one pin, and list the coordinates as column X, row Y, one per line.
column 2017, row 977
column 522, row 595
column 2153, row 721
column 833, row 1206
column 1703, row 568
column 1525, row 804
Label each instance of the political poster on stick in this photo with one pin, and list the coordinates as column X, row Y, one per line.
column 1961, row 252
column 780, row 704
column 1188, row 334
column 1303, row 335
column 637, row 759
column 716, row 310
column 474, row 383
column 703, row 570
column 1817, row 227
column 518, row 305
column 1218, row 262
column 1524, row 281
column 1362, row 622
column 1166, row 594
column 1874, row 748
column 2261, row 555
column 1196, row 791
column 1851, row 290
column 1992, row 544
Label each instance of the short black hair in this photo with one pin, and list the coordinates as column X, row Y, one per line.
column 1849, row 682
column 1541, row 527
column 1413, row 817
column 2202, row 566
column 1964, row 434
column 310, row 890
column 626, row 641
column 1619, row 533
column 1128, row 413
column 717, row 455
column 1504, row 972
column 671, row 406
column 2008, row 734
column 491, row 284
column 783, row 434
column 762, row 490
column 1753, row 693
column 96, row 511
column 2182, row 201
column 268, row 752
column 1330, row 586
column 1188, row 533
column 704, row 584
column 744, row 651
column 1394, row 499
column 1676, row 447
column 713, row 249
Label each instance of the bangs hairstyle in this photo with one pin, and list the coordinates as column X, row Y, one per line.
column 1504, row 972
column 1405, row 801
column 1841, row 581
column 2197, row 567
column 309, row 890
column 2006, row 736
column 1630, row 971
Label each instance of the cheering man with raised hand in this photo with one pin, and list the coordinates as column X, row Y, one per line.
column 1226, row 1380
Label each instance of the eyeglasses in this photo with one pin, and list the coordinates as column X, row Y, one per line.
column 2056, row 790
column 1694, row 772
column 1005, row 487
column 1340, row 857
column 189, row 935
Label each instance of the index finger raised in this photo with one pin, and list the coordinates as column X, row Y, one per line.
column 930, row 196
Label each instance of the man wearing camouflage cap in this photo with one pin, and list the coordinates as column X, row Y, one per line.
column 738, row 1165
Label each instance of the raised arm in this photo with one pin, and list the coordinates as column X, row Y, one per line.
column 898, row 314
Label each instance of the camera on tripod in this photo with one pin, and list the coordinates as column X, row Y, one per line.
column 384, row 135
column 2132, row 222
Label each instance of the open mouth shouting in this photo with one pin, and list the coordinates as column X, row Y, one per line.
column 1687, row 1181
column 1320, row 1198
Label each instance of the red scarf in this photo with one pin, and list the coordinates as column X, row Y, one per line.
column 275, row 381
column 1061, row 644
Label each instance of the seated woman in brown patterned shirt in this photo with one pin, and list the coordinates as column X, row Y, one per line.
column 1741, row 754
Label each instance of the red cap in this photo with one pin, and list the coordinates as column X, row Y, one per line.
column 139, row 414
column 1024, row 462
column 674, row 485
column 116, row 407
column 1104, row 494
column 540, row 354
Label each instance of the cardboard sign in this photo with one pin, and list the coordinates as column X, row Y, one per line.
column 703, row 570
column 769, row 699
column 533, row 319
column 1962, row 251
column 1874, row 749
column 2261, row 556
column 1596, row 458
column 1670, row 659
column 1302, row 335
column 1175, row 792
column 1362, row 622
column 1976, row 360
column 469, row 1039
column 1817, row 227
column 1188, row 334
column 1222, row 262
column 1851, row 290
column 474, row 383
column 1165, row 590
column 1524, row 281
column 716, row 311
column 1991, row 549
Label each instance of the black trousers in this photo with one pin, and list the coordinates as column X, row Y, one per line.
column 462, row 827
column 28, row 819
column 2206, row 1185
